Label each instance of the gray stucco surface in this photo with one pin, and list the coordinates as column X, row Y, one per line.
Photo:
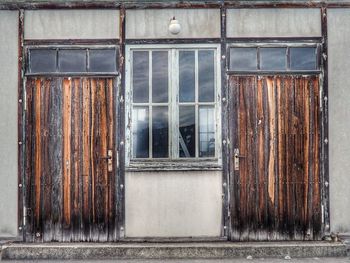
column 8, row 122
column 154, row 23
column 276, row 22
column 71, row 24
column 339, row 117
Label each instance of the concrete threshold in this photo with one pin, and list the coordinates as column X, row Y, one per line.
column 208, row 250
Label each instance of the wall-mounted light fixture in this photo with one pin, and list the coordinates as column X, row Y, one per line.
column 174, row 26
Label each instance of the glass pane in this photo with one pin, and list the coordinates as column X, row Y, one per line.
column 303, row 58
column 102, row 60
column 140, row 76
column 42, row 60
column 187, row 76
column 206, row 75
column 160, row 76
column 243, row 59
column 72, row 60
column 140, row 132
column 273, row 58
column 160, row 132
column 187, row 131
column 206, row 132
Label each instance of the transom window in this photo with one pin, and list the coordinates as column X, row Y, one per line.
column 174, row 98
column 274, row 58
column 72, row 60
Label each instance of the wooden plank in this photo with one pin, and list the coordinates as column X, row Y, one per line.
column 46, row 174
column 37, row 158
column 86, row 171
column 76, row 157
column 56, row 157
column 111, row 146
column 67, row 161
column 28, row 175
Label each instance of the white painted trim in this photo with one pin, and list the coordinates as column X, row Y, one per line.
column 174, row 87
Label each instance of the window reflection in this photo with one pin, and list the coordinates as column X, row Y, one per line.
column 303, row 58
column 160, row 131
column 206, row 75
column 140, row 132
column 42, row 60
column 187, row 76
column 243, row 58
column 273, row 58
column 140, row 76
column 72, row 60
column 206, row 132
column 160, row 76
column 187, row 131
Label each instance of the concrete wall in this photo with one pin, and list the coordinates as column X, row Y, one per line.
column 72, row 24
column 274, row 22
column 154, row 23
column 173, row 204
column 339, row 117
column 8, row 122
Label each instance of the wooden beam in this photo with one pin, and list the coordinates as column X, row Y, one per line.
column 21, row 128
column 324, row 124
column 90, row 4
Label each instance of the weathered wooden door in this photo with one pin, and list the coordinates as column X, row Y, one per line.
column 70, row 165
column 275, row 158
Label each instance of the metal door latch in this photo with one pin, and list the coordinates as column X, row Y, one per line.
column 109, row 159
column 236, row 159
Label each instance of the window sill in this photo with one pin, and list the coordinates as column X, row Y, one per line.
column 188, row 165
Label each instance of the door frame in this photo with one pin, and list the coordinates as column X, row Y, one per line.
column 23, row 208
column 321, row 60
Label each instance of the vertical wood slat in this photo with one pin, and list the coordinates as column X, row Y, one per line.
column 278, row 119
column 70, row 126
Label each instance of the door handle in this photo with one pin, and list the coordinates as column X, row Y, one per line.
column 236, row 157
column 109, row 159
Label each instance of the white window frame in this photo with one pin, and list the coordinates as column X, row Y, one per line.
column 174, row 105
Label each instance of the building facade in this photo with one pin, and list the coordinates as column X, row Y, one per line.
column 216, row 120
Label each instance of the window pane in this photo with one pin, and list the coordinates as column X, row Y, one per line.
column 206, row 132
column 187, row 76
column 140, row 76
column 140, row 132
column 243, row 59
column 102, row 60
column 187, row 131
column 160, row 132
column 273, row 58
column 160, row 76
column 42, row 60
column 303, row 58
column 72, row 60
column 206, row 75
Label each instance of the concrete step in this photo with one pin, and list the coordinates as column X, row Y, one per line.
column 213, row 250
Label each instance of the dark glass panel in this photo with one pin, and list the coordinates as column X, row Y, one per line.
column 140, row 132
column 273, row 58
column 72, row 60
column 206, row 75
column 102, row 60
column 303, row 58
column 187, row 76
column 160, row 76
column 243, row 59
column 140, row 78
column 42, row 60
column 160, row 132
column 187, row 131
column 206, row 132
